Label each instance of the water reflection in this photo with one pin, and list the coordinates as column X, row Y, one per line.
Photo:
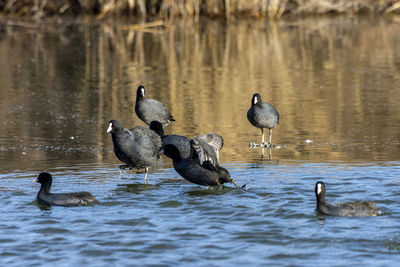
column 269, row 151
column 334, row 81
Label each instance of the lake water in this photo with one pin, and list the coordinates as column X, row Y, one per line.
column 335, row 82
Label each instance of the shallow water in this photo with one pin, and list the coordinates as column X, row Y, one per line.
column 334, row 81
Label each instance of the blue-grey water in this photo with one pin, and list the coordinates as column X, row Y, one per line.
column 335, row 82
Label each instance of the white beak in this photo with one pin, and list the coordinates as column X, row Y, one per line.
column 34, row 180
column 109, row 128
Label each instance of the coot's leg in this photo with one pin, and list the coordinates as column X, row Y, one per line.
column 262, row 140
column 146, row 171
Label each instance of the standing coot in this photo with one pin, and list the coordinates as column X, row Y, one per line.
column 356, row 208
column 262, row 115
column 148, row 109
column 201, row 166
column 44, row 197
column 138, row 147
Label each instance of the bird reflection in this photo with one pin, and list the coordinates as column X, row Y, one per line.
column 263, row 152
column 269, row 153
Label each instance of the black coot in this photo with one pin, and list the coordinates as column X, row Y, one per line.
column 44, row 197
column 356, row 208
column 210, row 143
column 262, row 115
column 148, row 109
column 138, row 147
column 202, row 165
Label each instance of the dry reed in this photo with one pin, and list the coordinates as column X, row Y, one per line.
column 194, row 8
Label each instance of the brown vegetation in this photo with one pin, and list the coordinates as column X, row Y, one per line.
column 195, row 8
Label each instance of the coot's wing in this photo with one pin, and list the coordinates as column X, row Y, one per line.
column 145, row 141
column 155, row 110
column 356, row 208
column 212, row 139
column 267, row 115
column 207, row 146
column 209, row 165
column 71, row 199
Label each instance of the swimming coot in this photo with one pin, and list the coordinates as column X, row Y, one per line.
column 202, row 165
column 138, row 147
column 262, row 115
column 44, row 197
column 356, row 208
column 148, row 109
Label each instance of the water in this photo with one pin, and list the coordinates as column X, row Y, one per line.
column 334, row 81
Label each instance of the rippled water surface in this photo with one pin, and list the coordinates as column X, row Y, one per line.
column 334, row 81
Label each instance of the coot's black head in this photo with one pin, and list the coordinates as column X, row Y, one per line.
column 157, row 127
column 140, row 92
column 172, row 152
column 320, row 190
column 114, row 126
column 256, row 99
column 224, row 175
column 43, row 178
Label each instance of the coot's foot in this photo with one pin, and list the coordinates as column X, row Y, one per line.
column 262, row 145
column 267, row 145
column 253, row 145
